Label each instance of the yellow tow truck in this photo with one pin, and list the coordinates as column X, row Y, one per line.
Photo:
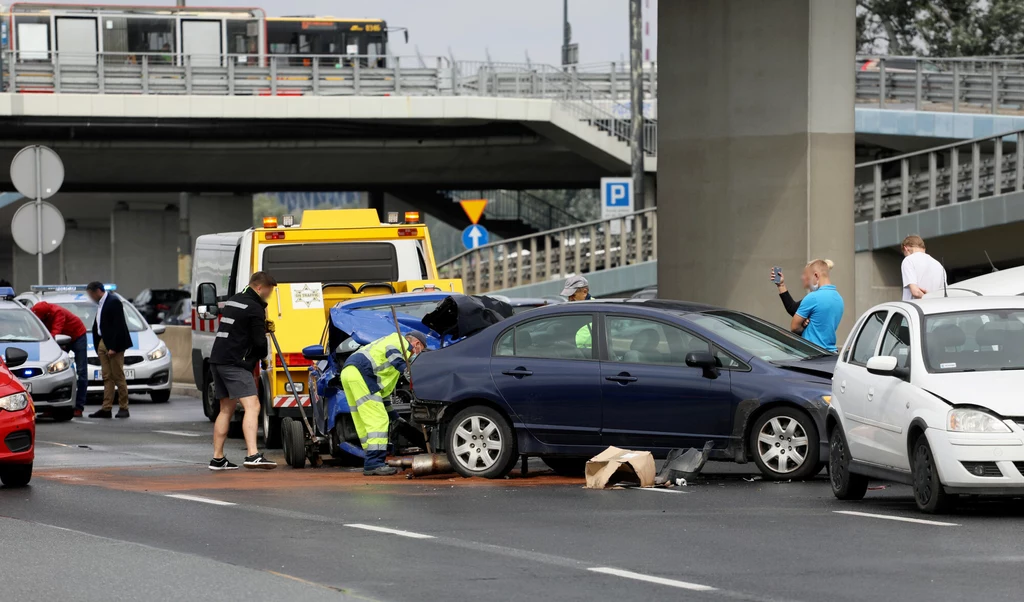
column 332, row 256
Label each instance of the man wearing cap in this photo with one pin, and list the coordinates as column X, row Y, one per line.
column 578, row 289
column 370, row 375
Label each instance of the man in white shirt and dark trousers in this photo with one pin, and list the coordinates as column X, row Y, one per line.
column 921, row 273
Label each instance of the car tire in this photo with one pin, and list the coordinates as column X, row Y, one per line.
column 929, row 495
column 342, row 457
column 16, row 475
column 467, row 437
column 845, row 485
column 162, row 397
column 271, row 430
column 63, row 414
column 785, row 445
column 211, row 405
column 294, row 443
column 567, row 467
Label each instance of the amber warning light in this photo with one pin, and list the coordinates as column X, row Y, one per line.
column 412, row 217
column 270, row 222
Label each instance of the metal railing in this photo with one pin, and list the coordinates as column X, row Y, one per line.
column 986, row 84
column 519, row 205
column 556, row 254
column 945, row 175
column 38, row 72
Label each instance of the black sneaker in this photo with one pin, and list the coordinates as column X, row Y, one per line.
column 222, row 464
column 258, row 461
column 380, row 471
column 101, row 414
column 122, row 414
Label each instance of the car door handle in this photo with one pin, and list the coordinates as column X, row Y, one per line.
column 621, row 378
column 518, row 372
column 842, row 387
column 871, row 394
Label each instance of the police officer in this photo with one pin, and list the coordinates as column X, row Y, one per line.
column 369, row 375
column 240, row 345
column 578, row 289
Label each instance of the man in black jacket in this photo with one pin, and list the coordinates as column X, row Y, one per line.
column 111, row 339
column 240, row 346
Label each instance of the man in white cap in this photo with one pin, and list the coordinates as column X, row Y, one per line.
column 578, row 289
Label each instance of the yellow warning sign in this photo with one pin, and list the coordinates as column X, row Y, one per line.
column 474, row 209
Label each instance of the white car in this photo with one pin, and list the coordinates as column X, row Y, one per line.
column 1002, row 283
column 147, row 365
column 928, row 393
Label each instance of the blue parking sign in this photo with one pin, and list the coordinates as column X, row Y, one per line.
column 617, row 192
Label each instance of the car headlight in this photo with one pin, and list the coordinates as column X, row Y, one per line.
column 58, row 366
column 974, row 421
column 14, row 403
column 158, row 353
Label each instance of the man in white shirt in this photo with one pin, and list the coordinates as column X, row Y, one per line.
column 921, row 273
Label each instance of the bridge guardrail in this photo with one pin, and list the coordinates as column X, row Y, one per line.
column 519, row 205
column 940, row 176
column 555, row 254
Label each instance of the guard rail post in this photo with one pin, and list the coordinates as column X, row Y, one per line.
column 956, row 86
column 273, row 76
column 478, row 271
column 56, row 73
column 932, row 173
column 995, row 88
column 145, row 75
column 504, row 266
column 654, row 233
column 12, row 71
column 519, row 263
column 231, row 77
column 593, row 248
column 878, row 192
column 398, row 75
column 533, row 260
column 917, row 85
column 607, row 245
column 316, row 75
column 881, row 83
column 101, row 75
column 954, row 174
column 357, row 77
column 997, row 183
column 904, row 186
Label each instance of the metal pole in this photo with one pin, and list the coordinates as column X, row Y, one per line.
column 636, row 89
column 566, row 33
column 39, row 213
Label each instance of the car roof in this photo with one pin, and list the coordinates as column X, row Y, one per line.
column 58, row 297
column 676, row 307
column 5, row 304
column 1003, row 282
column 943, row 305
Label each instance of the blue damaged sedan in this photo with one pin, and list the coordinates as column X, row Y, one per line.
column 563, row 382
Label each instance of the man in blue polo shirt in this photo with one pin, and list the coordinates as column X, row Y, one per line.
column 821, row 310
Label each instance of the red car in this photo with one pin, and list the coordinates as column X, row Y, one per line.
column 17, row 423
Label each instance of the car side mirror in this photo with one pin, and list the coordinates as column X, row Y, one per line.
column 158, row 328
column 704, row 360
column 314, row 353
column 206, row 294
column 887, row 365
column 63, row 341
column 15, row 357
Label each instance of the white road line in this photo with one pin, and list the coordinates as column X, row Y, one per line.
column 658, row 489
column 179, row 433
column 80, row 421
column 390, row 531
column 696, row 587
column 196, row 498
column 919, row 521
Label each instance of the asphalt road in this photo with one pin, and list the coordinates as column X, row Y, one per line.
column 126, row 509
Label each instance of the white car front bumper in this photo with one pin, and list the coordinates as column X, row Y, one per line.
column 143, row 376
column 999, row 457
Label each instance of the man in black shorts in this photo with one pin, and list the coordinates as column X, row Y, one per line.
column 240, row 346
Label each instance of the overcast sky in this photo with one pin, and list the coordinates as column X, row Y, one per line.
column 507, row 28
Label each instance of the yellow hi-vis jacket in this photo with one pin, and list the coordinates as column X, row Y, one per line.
column 388, row 357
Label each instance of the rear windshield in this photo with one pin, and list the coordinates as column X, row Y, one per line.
column 332, row 262
column 416, row 310
column 975, row 341
column 86, row 312
column 20, row 326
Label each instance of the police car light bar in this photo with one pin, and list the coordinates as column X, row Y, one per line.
column 66, row 288
column 6, row 292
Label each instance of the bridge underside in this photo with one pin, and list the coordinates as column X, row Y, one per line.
column 238, row 155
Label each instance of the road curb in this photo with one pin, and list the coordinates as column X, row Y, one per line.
column 185, row 390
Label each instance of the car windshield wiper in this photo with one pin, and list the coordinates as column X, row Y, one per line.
column 818, row 356
column 1012, row 368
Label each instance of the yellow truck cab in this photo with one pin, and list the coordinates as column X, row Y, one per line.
column 332, row 256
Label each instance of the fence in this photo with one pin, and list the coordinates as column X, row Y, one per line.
column 555, row 254
column 962, row 171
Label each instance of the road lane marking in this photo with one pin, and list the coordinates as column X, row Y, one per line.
column 80, row 421
column 696, row 587
column 196, row 498
column 919, row 521
column 179, row 433
column 389, row 531
column 658, row 489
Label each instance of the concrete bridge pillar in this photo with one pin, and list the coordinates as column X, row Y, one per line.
column 756, row 154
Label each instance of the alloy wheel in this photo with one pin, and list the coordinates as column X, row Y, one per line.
column 782, row 444
column 477, row 443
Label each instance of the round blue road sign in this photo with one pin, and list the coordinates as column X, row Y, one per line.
column 475, row 236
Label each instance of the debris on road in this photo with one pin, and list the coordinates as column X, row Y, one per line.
column 632, row 466
column 683, row 464
column 423, row 464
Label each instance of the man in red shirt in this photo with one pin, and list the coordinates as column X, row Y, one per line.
column 61, row 321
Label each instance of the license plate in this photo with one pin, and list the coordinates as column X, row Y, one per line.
column 129, row 374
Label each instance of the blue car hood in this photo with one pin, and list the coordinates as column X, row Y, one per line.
column 366, row 326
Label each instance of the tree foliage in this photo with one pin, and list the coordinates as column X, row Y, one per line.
column 940, row 28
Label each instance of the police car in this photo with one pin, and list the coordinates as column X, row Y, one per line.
column 147, row 365
column 48, row 375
